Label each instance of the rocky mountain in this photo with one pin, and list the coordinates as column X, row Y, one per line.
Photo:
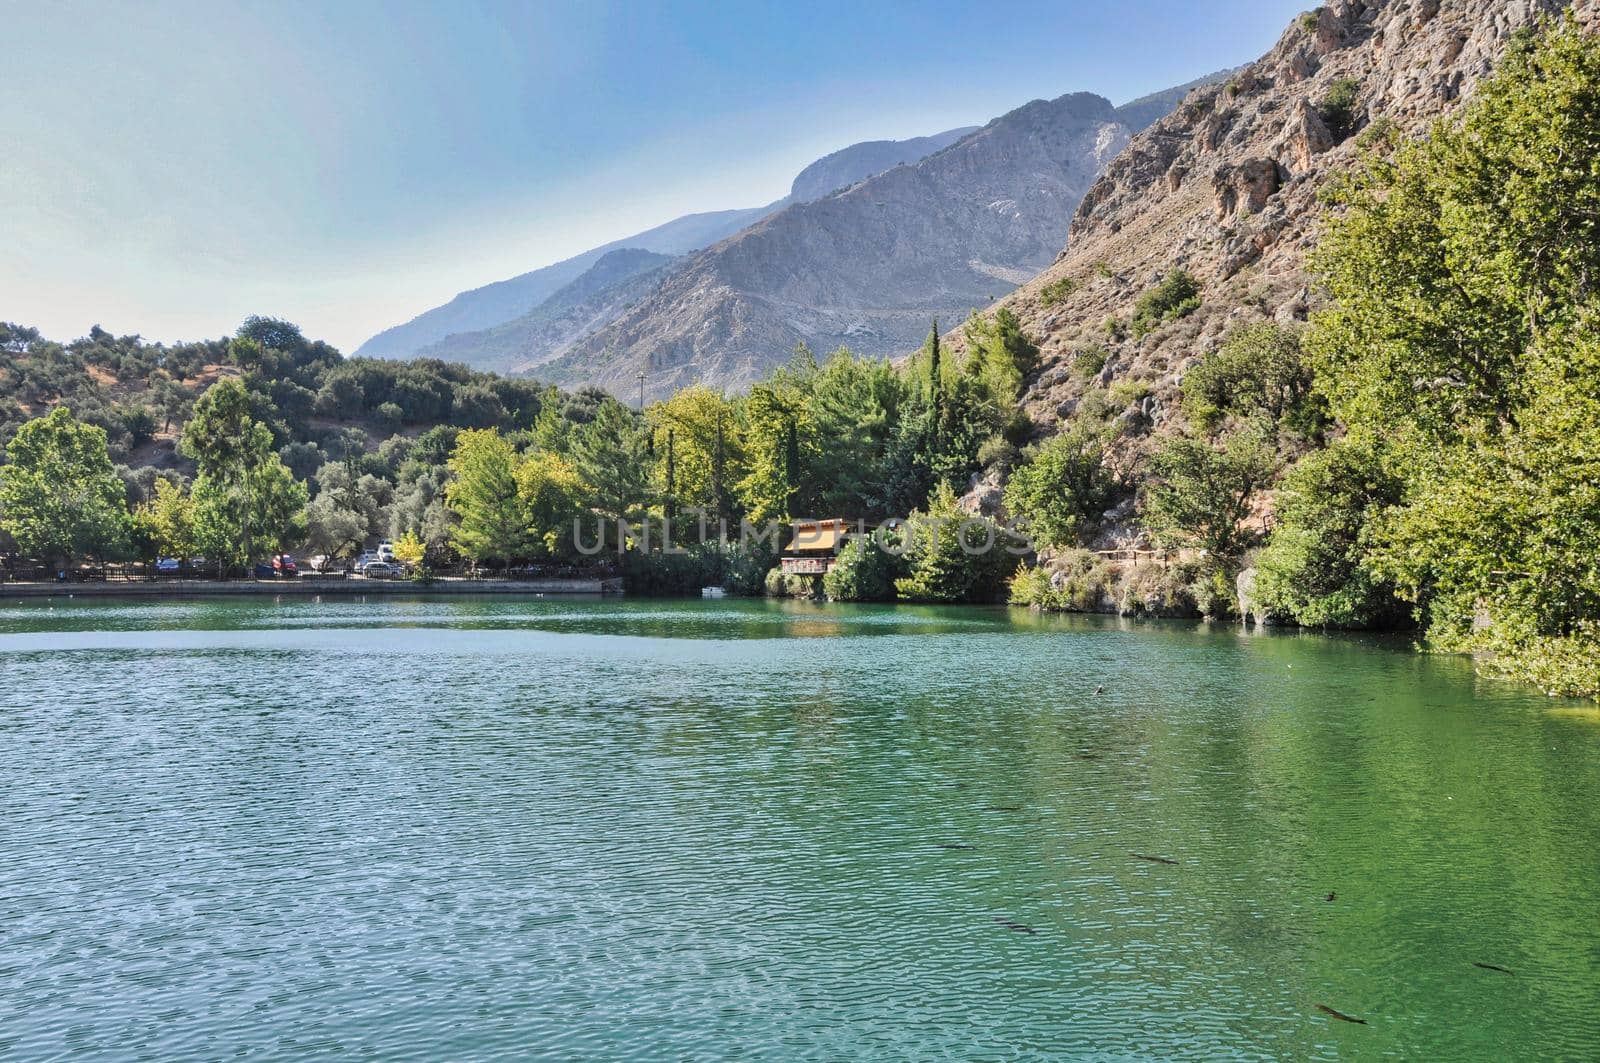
column 867, row 266
column 482, row 309
column 615, row 281
column 1226, row 189
column 494, row 304
column 835, row 172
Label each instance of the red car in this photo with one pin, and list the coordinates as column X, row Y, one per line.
column 283, row 565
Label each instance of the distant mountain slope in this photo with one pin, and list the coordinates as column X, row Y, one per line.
column 868, row 266
column 835, row 172
column 616, row 280
column 485, row 307
column 500, row 302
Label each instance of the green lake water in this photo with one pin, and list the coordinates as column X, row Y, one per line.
column 520, row 828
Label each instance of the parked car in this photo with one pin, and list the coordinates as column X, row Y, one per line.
column 380, row 570
column 319, row 562
column 169, row 566
column 263, row 570
column 386, row 551
column 283, row 565
column 364, row 560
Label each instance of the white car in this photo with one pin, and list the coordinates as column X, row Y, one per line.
column 386, row 551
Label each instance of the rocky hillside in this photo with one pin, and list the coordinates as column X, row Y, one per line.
column 616, row 281
column 1226, row 189
column 867, row 266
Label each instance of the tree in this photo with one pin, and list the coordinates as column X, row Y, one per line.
column 410, row 550
column 348, row 510
column 265, row 508
column 1461, row 333
column 60, row 497
column 864, row 571
column 1062, row 487
column 1002, row 352
column 1203, row 494
column 611, row 459
column 706, row 447
column 1318, row 568
column 494, row 524
column 244, row 496
column 165, row 523
column 1261, row 375
column 552, row 495
column 856, row 405
column 952, row 556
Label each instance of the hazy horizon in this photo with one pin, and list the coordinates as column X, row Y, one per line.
column 177, row 167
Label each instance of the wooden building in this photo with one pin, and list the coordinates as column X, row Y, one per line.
column 815, row 547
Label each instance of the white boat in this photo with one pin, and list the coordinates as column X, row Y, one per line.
column 713, row 592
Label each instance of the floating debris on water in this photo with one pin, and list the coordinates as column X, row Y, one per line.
column 1492, row 967
column 1153, row 859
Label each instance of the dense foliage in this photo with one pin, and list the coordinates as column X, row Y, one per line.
column 266, row 441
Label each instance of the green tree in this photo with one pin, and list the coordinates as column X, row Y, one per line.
column 1203, row 494
column 855, row 404
column 781, row 450
column 165, row 523
column 552, row 494
column 493, row 521
column 1318, row 568
column 612, row 459
column 244, row 497
column 1062, row 488
column 864, row 571
column 349, row 509
column 60, row 496
column 1260, row 374
column 952, row 556
column 1461, row 331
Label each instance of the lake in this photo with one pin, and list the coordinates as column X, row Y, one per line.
column 623, row 829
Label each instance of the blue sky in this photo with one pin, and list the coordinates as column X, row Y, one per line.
column 169, row 168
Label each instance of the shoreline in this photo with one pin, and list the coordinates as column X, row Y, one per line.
column 309, row 586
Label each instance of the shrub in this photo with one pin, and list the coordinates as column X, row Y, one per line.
column 1090, row 360
column 1077, row 581
column 1315, row 568
column 1338, row 107
column 1116, row 329
column 1057, row 291
column 1126, row 392
column 779, row 585
column 865, row 572
column 1157, row 590
column 1178, row 295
